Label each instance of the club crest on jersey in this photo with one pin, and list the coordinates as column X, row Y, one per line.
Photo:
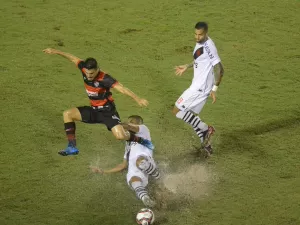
column 198, row 52
column 96, row 84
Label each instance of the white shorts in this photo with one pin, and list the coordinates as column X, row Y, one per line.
column 134, row 171
column 191, row 100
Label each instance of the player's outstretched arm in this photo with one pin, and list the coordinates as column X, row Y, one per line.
column 179, row 70
column 126, row 91
column 69, row 56
column 118, row 168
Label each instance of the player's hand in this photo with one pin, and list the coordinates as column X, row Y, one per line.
column 50, row 51
column 142, row 102
column 213, row 95
column 96, row 169
column 179, row 70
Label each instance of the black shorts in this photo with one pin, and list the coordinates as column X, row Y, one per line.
column 110, row 117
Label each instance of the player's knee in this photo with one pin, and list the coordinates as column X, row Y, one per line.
column 120, row 136
column 142, row 163
column 134, row 179
column 67, row 114
column 175, row 110
column 140, row 160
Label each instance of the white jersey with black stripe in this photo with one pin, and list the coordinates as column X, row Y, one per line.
column 205, row 58
column 134, row 149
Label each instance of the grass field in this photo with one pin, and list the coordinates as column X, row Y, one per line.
column 257, row 113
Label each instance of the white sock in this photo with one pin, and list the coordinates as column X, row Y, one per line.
column 139, row 189
column 194, row 121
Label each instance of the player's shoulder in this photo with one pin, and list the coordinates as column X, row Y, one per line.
column 143, row 129
column 210, row 41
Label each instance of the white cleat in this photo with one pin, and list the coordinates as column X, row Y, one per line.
column 148, row 202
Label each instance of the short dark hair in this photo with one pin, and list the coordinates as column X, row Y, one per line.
column 201, row 25
column 90, row 63
column 137, row 119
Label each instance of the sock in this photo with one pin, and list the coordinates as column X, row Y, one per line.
column 194, row 121
column 70, row 128
column 200, row 133
column 139, row 189
column 149, row 168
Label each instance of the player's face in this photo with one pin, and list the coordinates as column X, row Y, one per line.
column 200, row 35
column 91, row 73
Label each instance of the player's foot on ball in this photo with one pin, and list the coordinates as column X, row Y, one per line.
column 69, row 151
column 207, row 135
column 148, row 202
column 147, row 144
column 208, row 150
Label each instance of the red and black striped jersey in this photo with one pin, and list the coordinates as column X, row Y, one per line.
column 98, row 90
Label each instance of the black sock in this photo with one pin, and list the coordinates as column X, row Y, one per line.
column 70, row 128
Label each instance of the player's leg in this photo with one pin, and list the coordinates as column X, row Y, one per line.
column 112, row 121
column 204, row 135
column 70, row 116
column 141, row 191
column 121, row 134
column 187, row 108
column 147, row 165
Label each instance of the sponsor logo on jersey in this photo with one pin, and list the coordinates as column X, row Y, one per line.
column 92, row 93
column 207, row 49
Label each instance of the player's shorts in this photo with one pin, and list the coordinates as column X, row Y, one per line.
column 110, row 117
column 134, row 171
column 191, row 100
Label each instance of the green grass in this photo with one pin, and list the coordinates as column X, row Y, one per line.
column 257, row 114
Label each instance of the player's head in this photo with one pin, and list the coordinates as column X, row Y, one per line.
column 201, row 29
column 135, row 119
column 91, row 68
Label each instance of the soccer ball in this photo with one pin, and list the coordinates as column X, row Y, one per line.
column 145, row 217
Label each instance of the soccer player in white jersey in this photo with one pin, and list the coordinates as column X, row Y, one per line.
column 139, row 161
column 205, row 83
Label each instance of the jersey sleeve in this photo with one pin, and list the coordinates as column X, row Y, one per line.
column 144, row 132
column 213, row 54
column 80, row 65
column 109, row 81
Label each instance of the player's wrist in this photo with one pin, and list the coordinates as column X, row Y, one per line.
column 215, row 88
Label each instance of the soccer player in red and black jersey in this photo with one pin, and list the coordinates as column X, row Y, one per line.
column 102, row 108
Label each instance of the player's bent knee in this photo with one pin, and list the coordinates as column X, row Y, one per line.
column 175, row 110
column 67, row 114
column 134, row 179
column 119, row 135
column 139, row 160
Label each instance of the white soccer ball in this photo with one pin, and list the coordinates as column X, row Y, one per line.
column 145, row 217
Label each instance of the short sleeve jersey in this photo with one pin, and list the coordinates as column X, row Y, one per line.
column 134, row 149
column 98, row 90
column 205, row 58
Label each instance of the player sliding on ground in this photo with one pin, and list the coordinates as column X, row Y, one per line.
column 102, row 108
column 139, row 161
column 205, row 83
